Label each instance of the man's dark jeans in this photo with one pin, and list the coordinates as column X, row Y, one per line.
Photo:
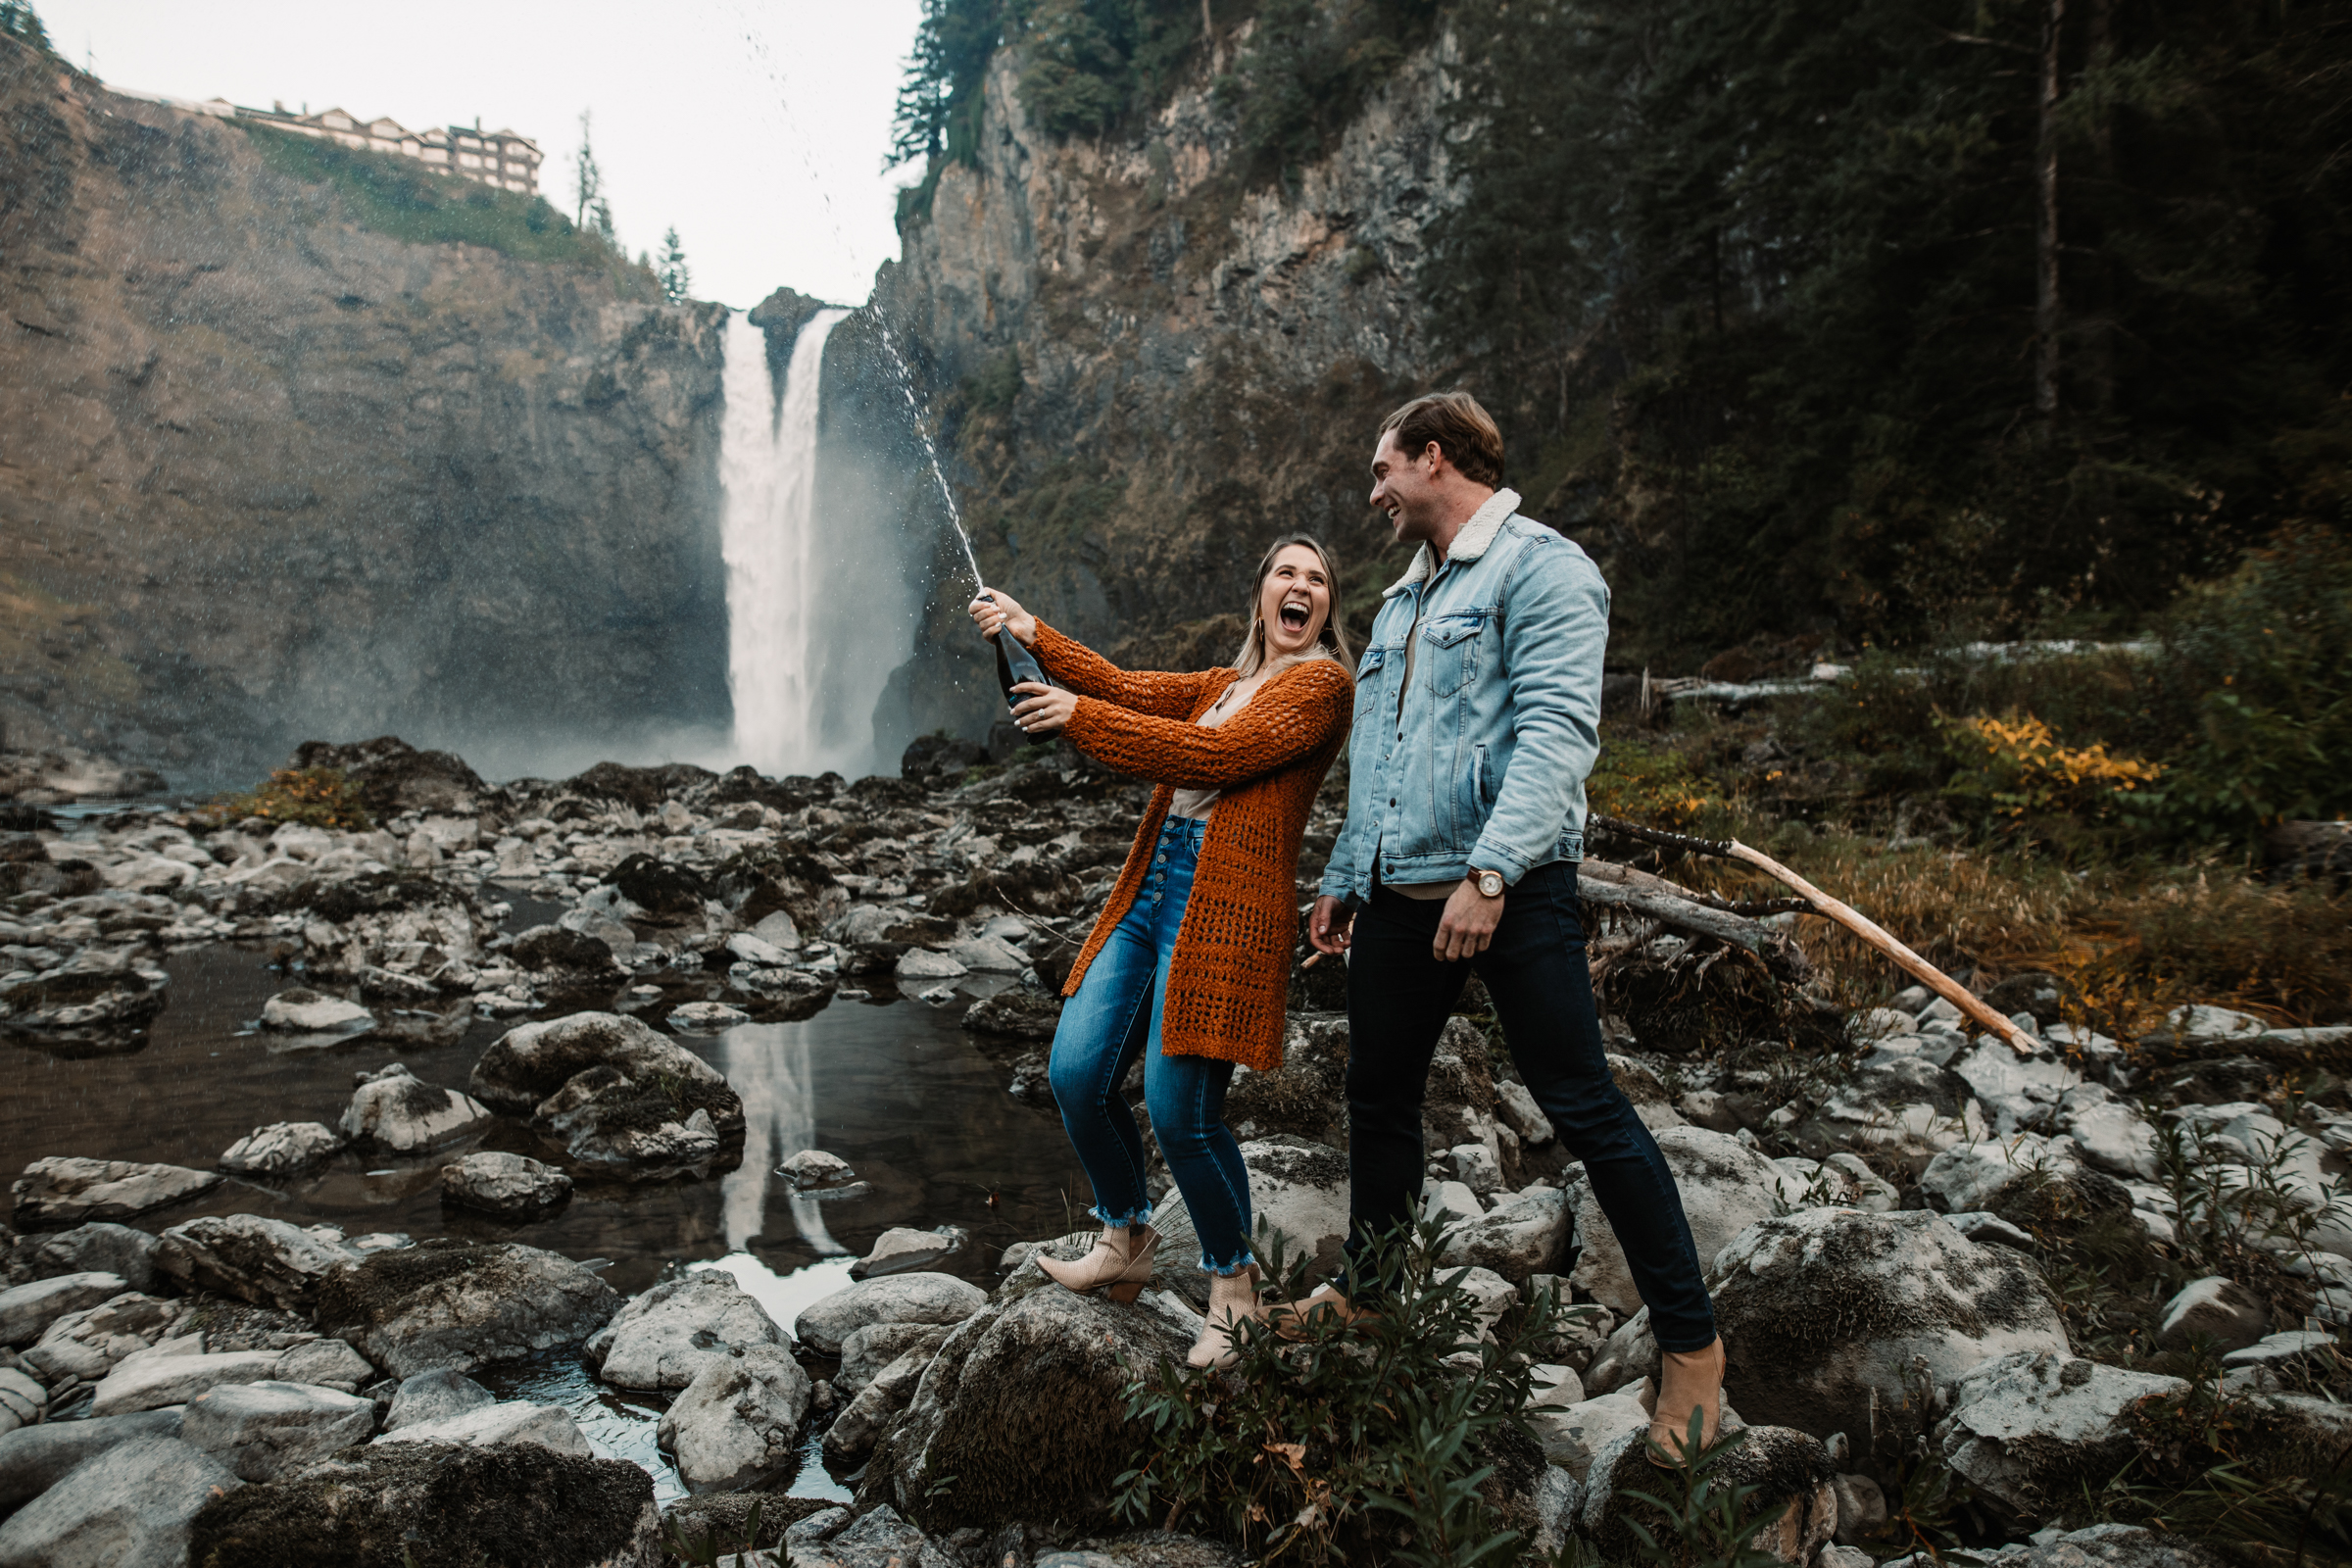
column 1398, row 997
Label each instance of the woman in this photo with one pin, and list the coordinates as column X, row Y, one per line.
column 1190, row 962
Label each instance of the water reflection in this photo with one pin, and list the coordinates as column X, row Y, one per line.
column 770, row 1066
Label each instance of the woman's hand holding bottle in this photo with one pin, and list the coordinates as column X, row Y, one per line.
column 997, row 610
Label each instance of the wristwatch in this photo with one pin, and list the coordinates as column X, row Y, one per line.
column 1490, row 883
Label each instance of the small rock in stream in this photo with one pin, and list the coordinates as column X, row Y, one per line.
column 512, row 1186
column 280, row 1149
column 65, row 1190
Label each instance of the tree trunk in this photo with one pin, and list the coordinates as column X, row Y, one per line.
column 2100, row 372
column 2049, row 306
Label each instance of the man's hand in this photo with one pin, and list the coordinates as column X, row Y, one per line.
column 1044, row 710
column 1469, row 922
column 1329, row 926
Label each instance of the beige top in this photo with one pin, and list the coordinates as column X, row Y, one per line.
column 1196, row 804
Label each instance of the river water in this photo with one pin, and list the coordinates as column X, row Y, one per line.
column 896, row 1088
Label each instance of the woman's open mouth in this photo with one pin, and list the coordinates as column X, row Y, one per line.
column 1293, row 617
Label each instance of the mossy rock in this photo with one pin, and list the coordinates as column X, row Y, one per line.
column 405, row 1505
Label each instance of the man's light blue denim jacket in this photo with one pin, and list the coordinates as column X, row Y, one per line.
column 1484, row 765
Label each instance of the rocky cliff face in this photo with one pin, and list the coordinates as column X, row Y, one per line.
column 266, row 473
column 1142, row 368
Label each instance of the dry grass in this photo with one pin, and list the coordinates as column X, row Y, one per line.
column 2135, row 940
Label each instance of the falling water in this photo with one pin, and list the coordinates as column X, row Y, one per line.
column 776, row 579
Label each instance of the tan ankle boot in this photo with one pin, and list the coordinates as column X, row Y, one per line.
column 1230, row 1300
column 1688, row 1381
column 1119, row 1265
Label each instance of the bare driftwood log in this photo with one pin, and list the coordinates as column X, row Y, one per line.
column 1678, row 908
column 1869, row 930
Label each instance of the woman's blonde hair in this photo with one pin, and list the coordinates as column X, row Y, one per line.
column 1331, row 640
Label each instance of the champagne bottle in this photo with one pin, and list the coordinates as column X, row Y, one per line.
column 1016, row 663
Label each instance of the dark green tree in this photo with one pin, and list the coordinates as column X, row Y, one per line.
column 672, row 269
column 1898, row 317
column 18, row 20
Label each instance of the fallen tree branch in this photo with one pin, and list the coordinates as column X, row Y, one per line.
column 1604, row 882
column 1845, row 914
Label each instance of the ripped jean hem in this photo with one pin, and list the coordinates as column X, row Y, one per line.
column 1242, row 1262
column 1131, row 1221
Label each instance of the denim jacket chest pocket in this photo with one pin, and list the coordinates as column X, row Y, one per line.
column 1449, row 651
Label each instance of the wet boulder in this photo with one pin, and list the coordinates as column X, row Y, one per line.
column 917, row 1297
column 565, row 955
column 1726, row 1186
column 1524, row 1235
column 864, row 1353
column 168, row 1375
column 876, row 1407
column 1015, row 1014
column 88, row 1344
column 434, row 1396
column 264, row 1429
column 301, row 1010
column 738, row 1422
column 1299, row 1205
column 252, row 1257
column 101, row 1248
column 496, row 1424
column 902, row 1250
column 326, row 1364
column 27, row 1311
column 1305, row 1096
column 2219, row 1311
column 664, row 1338
column 1836, row 1320
column 394, row 1111
column 1789, row 1469
column 82, row 1009
column 1025, row 1409
column 395, row 778
column 509, row 1186
column 445, row 1304
column 129, row 1506
column 528, row 1064
column 390, row 1504
column 650, row 1125
column 63, row 1191
column 2030, row 1429
column 280, row 1149
column 1897, row 1104
column 32, row 1459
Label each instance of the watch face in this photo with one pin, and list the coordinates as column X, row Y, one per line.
column 1490, row 883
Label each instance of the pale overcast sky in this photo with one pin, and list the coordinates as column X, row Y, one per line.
column 757, row 127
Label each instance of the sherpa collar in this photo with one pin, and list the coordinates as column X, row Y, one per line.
column 1468, row 545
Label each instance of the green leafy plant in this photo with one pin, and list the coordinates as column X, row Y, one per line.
column 1380, row 1437
column 713, row 1545
column 1710, row 1522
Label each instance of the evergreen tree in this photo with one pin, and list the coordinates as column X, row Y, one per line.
column 18, row 20
column 588, row 184
column 1905, row 315
column 676, row 277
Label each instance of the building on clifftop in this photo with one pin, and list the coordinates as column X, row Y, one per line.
column 499, row 158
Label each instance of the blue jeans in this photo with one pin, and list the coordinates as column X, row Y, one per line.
column 1398, row 997
column 1114, row 1017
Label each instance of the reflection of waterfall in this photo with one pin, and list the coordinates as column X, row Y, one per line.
column 769, row 1066
column 800, row 706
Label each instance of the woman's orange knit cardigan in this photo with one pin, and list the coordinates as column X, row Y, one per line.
column 1231, row 972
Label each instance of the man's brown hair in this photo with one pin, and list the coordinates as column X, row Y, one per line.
column 1464, row 432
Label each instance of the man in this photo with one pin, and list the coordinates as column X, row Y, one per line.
column 1477, row 709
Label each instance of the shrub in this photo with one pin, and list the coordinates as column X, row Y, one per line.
column 1653, row 786
column 1380, row 1438
column 2014, row 770
column 317, row 797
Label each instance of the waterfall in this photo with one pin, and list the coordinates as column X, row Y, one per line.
column 796, row 666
